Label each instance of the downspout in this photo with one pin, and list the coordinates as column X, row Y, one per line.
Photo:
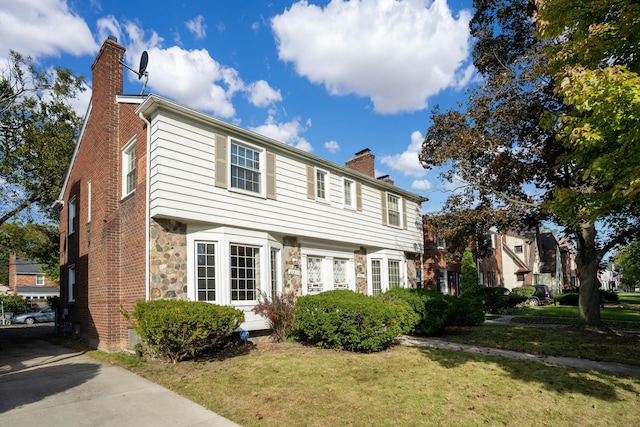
column 147, row 208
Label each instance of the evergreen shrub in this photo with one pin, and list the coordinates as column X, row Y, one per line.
column 176, row 329
column 431, row 307
column 351, row 321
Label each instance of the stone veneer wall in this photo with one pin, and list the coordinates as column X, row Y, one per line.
column 412, row 269
column 292, row 274
column 168, row 260
column 360, row 257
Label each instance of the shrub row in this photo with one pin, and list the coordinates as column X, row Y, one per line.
column 498, row 298
column 572, row 298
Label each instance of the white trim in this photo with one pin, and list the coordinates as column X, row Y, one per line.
column 262, row 170
column 72, row 208
column 326, row 187
column 352, row 193
column 128, row 156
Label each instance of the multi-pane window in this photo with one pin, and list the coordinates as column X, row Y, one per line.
column 376, row 277
column 71, row 283
column 394, row 273
column 321, row 184
column 518, row 249
column 40, row 280
column 72, row 215
column 349, row 192
column 314, row 273
column 129, row 169
column 206, row 271
column 393, row 210
column 245, row 268
column 340, row 273
column 245, row 168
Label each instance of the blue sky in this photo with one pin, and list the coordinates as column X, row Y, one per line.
column 331, row 78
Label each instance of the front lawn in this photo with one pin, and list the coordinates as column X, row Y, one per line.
column 293, row 385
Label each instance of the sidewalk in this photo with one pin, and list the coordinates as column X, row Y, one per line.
column 589, row 365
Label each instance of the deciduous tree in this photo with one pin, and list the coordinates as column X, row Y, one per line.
column 543, row 136
column 37, row 131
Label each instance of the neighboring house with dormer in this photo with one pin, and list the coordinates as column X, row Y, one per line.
column 27, row 280
column 162, row 201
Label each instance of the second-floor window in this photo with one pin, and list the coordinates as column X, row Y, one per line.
column 129, row 169
column 518, row 249
column 72, row 215
column 349, row 193
column 245, row 168
column 393, row 210
column 322, row 190
column 40, row 280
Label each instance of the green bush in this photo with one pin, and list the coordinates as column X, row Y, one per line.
column 525, row 291
column 608, row 296
column 567, row 299
column 176, row 329
column 15, row 304
column 465, row 311
column 496, row 299
column 430, row 306
column 352, row 321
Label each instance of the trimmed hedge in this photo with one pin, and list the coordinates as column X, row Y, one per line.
column 494, row 299
column 176, row 329
column 431, row 307
column 525, row 291
column 572, row 298
column 347, row 320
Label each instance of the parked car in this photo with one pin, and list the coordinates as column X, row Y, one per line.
column 46, row 314
column 541, row 296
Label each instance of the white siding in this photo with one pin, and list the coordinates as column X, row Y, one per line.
column 182, row 187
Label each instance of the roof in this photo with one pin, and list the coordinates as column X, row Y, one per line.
column 27, row 266
column 42, row 290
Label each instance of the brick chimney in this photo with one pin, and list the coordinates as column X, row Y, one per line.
column 385, row 178
column 107, row 74
column 362, row 162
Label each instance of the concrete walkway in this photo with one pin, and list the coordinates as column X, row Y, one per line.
column 589, row 365
column 44, row 384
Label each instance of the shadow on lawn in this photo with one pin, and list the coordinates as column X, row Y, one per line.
column 558, row 379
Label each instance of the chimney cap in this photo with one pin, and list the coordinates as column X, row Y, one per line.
column 362, row 152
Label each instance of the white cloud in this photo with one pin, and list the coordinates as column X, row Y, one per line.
column 263, row 95
column 398, row 53
column 108, row 26
column 193, row 77
column 421, row 185
column 42, row 28
column 197, row 27
column 332, row 146
column 255, row 26
column 407, row 162
column 287, row 132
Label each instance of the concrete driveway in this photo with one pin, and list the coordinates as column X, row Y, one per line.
column 43, row 384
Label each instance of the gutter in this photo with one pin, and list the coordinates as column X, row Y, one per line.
column 147, row 215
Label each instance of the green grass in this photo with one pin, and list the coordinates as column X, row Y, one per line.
column 624, row 314
column 289, row 384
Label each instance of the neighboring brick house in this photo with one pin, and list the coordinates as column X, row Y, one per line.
column 569, row 267
column 440, row 272
column 163, row 201
column 27, row 279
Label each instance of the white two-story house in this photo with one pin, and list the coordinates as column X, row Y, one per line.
column 164, row 201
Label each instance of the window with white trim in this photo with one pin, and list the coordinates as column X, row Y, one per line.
column 393, row 210
column 129, row 168
column 71, row 283
column 340, row 274
column 315, row 274
column 40, row 280
column 274, row 261
column 322, row 185
column 245, row 168
column 72, row 215
column 394, row 274
column 206, row 271
column 349, row 192
column 88, row 201
column 245, row 272
column 376, row 277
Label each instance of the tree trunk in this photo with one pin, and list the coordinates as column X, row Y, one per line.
column 588, row 261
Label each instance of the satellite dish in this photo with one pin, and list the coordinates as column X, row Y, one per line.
column 144, row 60
column 142, row 70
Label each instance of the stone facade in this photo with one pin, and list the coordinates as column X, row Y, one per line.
column 168, row 260
column 360, row 257
column 292, row 274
